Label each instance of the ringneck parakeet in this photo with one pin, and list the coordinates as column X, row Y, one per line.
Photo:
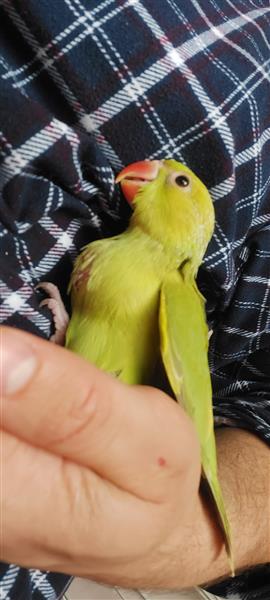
column 134, row 298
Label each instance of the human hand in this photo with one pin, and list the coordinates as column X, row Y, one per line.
column 100, row 478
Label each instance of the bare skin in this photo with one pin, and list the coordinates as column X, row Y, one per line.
column 85, row 491
column 60, row 316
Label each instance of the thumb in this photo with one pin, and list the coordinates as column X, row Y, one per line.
column 136, row 437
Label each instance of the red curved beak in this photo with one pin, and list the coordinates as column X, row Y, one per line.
column 133, row 177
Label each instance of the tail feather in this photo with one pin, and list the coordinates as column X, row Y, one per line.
column 214, row 488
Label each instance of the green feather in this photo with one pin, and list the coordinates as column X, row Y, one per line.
column 184, row 344
column 134, row 297
column 114, row 321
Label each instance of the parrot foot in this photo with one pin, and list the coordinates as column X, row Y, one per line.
column 57, row 308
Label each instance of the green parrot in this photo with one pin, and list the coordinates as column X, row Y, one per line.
column 134, row 298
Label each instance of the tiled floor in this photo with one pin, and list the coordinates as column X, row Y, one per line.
column 82, row 589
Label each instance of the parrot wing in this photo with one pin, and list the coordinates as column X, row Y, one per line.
column 184, row 345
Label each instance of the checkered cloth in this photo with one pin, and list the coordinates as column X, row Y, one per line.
column 87, row 87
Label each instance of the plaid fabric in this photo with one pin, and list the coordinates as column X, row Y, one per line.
column 87, row 87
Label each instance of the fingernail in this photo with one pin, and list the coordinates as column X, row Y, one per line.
column 18, row 363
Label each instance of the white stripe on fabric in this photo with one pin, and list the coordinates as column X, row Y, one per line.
column 41, row 584
column 28, row 35
column 238, row 91
column 20, row 157
column 43, row 51
column 162, row 68
column 8, row 581
column 88, row 30
column 219, row 32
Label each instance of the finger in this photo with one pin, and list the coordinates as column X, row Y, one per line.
column 59, row 516
column 135, row 437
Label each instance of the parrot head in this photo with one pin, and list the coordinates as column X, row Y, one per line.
column 171, row 205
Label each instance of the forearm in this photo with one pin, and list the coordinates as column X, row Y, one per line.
column 244, row 470
column 244, row 464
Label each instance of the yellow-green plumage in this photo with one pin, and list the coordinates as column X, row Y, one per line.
column 114, row 320
column 134, row 298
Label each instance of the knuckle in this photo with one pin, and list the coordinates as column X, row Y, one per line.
column 88, row 411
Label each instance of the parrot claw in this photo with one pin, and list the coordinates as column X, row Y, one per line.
column 56, row 306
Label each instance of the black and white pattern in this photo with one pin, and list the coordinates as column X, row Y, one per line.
column 88, row 87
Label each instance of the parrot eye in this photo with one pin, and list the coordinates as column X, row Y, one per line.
column 182, row 181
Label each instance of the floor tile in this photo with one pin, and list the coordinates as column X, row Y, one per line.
column 83, row 589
